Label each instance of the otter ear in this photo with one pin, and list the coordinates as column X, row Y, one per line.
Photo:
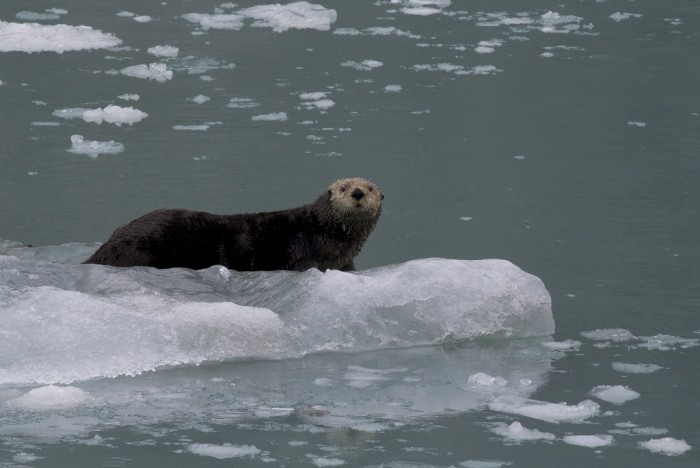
column 330, row 192
column 382, row 196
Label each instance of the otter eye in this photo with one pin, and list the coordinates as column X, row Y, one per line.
column 342, row 189
column 371, row 189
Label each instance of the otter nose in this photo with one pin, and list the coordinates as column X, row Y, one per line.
column 357, row 194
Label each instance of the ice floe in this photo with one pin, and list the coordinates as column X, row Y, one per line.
column 617, row 394
column 94, row 148
column 164, row 51
column 424, row 7
column 129, row 97
column 272, row 117
column 296, row 15
column 113, row 114
column 365, row 65
column 153, row 71
column 619, row 16
column 666, row 446
column 200, row 99
column 629, row 368
column 517, row 433
column 242, row 103
column 544, row 411
column 224, row 451
column 50, row 397
column 591, row 441
column 59, row 38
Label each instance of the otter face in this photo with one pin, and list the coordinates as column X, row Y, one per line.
column 355, row 198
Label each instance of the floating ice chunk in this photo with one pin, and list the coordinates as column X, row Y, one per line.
column 617, row 394
column 552, row 22
column 296, row 15
column 637, row 124
column 482, row 70
column 488, row 47
column 566, row 345
column 126, row 14
column 57, row 11
column 111, row 114
column 115, row 115
column 393, row 88
column 224, row 451
column 446, row 67
column 592, row 441
column 51, row 397
column 484, row 464
column 666, row 446
column 618, row 16
column 517, row 433
column 275, row 116
column 34, row 16
column 200, row 99
column 362, row 377
column 59, row 38
column 325, row 461
column 200, row 128
column 231, row 21
column 152, row 71
column 485, row 383
column 313, row 96
column 164, row 51
column 424, row 7
column 608, row 334
column 129, row 97
column 551, row 412
column 629, row 368
column 143, row 19
column 663, row 342
column 242, row 103
column 365, row 65
column 94, row 148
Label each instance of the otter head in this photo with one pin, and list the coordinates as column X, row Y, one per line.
column 355, row 199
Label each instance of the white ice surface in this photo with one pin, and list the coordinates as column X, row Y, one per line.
column 272, row 117
column 164, row 51
column 666, row 446
column 94, row 148
column 517, row 433
column 617, row 394
column 86, row 333
column 296, row 15
column 629, row 368
column 591, row 441
column 224, row 451
column 113, row 114
column 34, row 37
column 153, row 71
column 544, row 411
column 50, row 397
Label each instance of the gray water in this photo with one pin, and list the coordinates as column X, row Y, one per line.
column 567, row 144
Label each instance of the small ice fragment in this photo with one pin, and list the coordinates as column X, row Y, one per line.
column 606, row 334
column 592, row 441
column 94, row 148
column 566, row 345
column 325, row 461
column 224, row 451
column 200, row 99
column 392, row 88
column 618, row 16
column 51, row 397
column 313, row 96
column 126, row 14
column 667, row 446
column 466, row 218
column 484, row 382
column 551, row 412
column 629, row 368
column 164, row 51
column 34, row 16
column 143, row 19
column 115, row 115
column 516, row 432
column 196, row 128
column 275, row 116
column 617, row 394
column 519, row 157
column 242, row 103
column 152, row 71
column 365, row 65
column 129, row 97
column 663, row 342
column 637, row 124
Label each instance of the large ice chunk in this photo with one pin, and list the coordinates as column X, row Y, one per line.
column 34, row 37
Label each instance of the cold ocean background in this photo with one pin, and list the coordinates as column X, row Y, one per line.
column 562, row 137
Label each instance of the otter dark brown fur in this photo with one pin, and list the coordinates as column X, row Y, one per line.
column 327, row 233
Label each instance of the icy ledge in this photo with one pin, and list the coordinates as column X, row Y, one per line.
column 63, row 323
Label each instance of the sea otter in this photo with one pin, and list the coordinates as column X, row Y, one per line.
column 326, row 233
